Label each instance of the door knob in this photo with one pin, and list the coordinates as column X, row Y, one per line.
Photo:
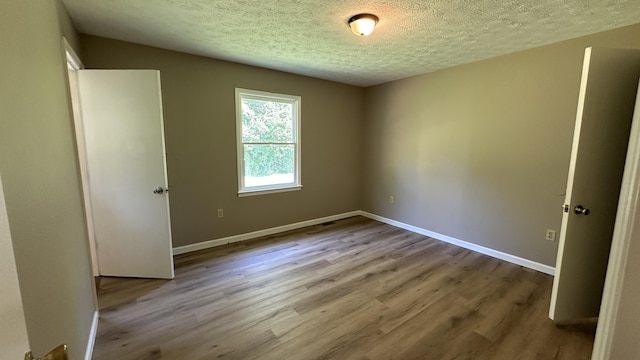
column 160, row 190
column 581, row 210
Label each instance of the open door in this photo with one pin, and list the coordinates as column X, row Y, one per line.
column 14, row 342
column 125, row 155
column 603, row 122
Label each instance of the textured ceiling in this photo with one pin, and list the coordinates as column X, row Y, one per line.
column 312, row 37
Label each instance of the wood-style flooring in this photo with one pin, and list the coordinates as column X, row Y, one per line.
column 351, row 289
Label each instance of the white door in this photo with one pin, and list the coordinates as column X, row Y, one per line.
column 124, row 143
column 13, row 329
column 605, row 110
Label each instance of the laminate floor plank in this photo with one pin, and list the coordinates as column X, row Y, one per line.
column 349, row 289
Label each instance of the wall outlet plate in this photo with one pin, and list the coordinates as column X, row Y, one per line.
column 550, row 235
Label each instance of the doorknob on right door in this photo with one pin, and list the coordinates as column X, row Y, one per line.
column 581, row 210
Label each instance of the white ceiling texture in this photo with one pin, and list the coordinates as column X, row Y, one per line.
column 312, row 37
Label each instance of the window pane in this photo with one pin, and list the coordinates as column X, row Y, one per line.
column 268, row 164
column 266, row 121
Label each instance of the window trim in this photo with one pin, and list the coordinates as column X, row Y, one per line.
column 296, row 101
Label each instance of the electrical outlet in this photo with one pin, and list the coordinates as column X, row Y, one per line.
column 551, row 235
column 220, row 213
column 391, row 199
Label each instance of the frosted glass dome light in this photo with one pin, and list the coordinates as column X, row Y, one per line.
column 363, row 24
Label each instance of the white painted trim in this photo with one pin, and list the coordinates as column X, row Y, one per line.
column 623, row 233
column 252, row 235
column 92, row 336
column 269, row 191
column 73, row 60
column 74, row 64
column 467, row 245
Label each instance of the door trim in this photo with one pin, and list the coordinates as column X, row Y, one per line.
column 74, row 64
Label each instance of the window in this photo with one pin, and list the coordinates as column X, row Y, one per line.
column 268, row 132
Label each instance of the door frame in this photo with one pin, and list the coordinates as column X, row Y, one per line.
column 75, row 64
column 625, row 231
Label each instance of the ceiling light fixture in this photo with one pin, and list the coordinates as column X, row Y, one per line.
column 363, row 24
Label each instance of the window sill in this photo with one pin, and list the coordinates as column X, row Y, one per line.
column 244, row 193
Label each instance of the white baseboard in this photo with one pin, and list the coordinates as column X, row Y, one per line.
column 252, row 235
column 92, row 336
column 467, row 245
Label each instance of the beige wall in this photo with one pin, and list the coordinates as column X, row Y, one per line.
column 38, row 167
column 480, row 152
column 198, row 97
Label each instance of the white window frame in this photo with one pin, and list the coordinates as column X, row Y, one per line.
column 295, row 101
